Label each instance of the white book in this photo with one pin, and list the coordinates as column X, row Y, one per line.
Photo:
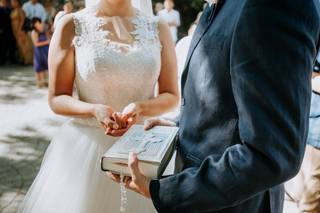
column 154, row 149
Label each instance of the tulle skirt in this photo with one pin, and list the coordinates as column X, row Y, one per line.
column 70, row 179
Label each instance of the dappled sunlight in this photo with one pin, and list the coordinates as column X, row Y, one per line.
column 18, row 87
column 27, row 126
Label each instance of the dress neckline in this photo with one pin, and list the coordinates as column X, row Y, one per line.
column 141, row 33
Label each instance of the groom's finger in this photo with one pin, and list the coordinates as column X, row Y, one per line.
column 133, row 164
column 150, row 123
column 113, row 177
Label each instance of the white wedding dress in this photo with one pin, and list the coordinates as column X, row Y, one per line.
column 108, row 71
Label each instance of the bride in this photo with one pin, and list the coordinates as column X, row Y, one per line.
column 115, row 54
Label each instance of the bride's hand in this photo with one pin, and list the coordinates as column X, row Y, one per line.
column 104, row 115
column 126, row 119
column 123, row 125
column 131, row 113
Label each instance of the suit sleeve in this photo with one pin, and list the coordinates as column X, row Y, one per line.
column 270, row 66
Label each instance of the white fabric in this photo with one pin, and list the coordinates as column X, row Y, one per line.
column 34, row 10
column 58, row 18
column 182, row 49
column 171, row 16
column 107, row 72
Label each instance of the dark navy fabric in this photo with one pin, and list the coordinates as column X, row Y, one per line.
column 246, row 99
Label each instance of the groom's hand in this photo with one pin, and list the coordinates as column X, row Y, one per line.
column 137, row 182
column 152, row 122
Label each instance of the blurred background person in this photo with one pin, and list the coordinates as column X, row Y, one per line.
column 33, row 8
column 304, row 189
column 183, row 45
column 158, row 7
column 172, row 17
column 41, row 43
column 67, row 8
column 23, row 41
column 51, row 12
column 182, row 48
column 7, row 40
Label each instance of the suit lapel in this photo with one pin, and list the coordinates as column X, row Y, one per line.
column 205, row 22
column 199, row 32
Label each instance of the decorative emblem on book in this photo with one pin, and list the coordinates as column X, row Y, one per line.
column 144, row 141
column 153, row 147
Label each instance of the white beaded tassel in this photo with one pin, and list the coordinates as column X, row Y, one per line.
column 123, row 193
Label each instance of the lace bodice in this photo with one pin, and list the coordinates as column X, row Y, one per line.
column 111, row 70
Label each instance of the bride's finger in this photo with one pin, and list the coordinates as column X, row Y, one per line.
column 108, row 130
column 118, row 133
column 117, row 119
column 128, row 116
column 122, row 121
column 111, row 124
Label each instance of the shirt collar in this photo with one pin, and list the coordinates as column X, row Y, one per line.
column 211, row 2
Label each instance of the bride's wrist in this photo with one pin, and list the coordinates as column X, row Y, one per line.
column 140, row 108
column 96, row 110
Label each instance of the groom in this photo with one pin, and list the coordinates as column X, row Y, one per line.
column 245, row 105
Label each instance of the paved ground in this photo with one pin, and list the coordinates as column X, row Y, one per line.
column 26, row 127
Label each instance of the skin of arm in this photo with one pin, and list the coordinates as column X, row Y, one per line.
column 168, row 89
column 168, row 96
column 35, row 41
column 176, row 22
column 22, row 17
column 61, row 68
column 316, row 82
column 62, row 75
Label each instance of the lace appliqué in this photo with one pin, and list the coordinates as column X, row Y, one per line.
column 89, row 34
column 86, row 33
column 146, row 32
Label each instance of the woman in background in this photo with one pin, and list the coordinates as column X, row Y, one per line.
column 7, row 40
column 23, row 40
column 51, row 13
column 41, row 42
column 158, row 7
column 67, row 8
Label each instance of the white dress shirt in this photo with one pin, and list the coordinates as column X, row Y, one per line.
column 171, row 16
column 34, row 10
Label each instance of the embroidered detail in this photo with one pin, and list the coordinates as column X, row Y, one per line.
column 93, row 45
column 90, row 29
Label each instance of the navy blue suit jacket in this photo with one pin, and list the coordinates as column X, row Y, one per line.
column 245, row 106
